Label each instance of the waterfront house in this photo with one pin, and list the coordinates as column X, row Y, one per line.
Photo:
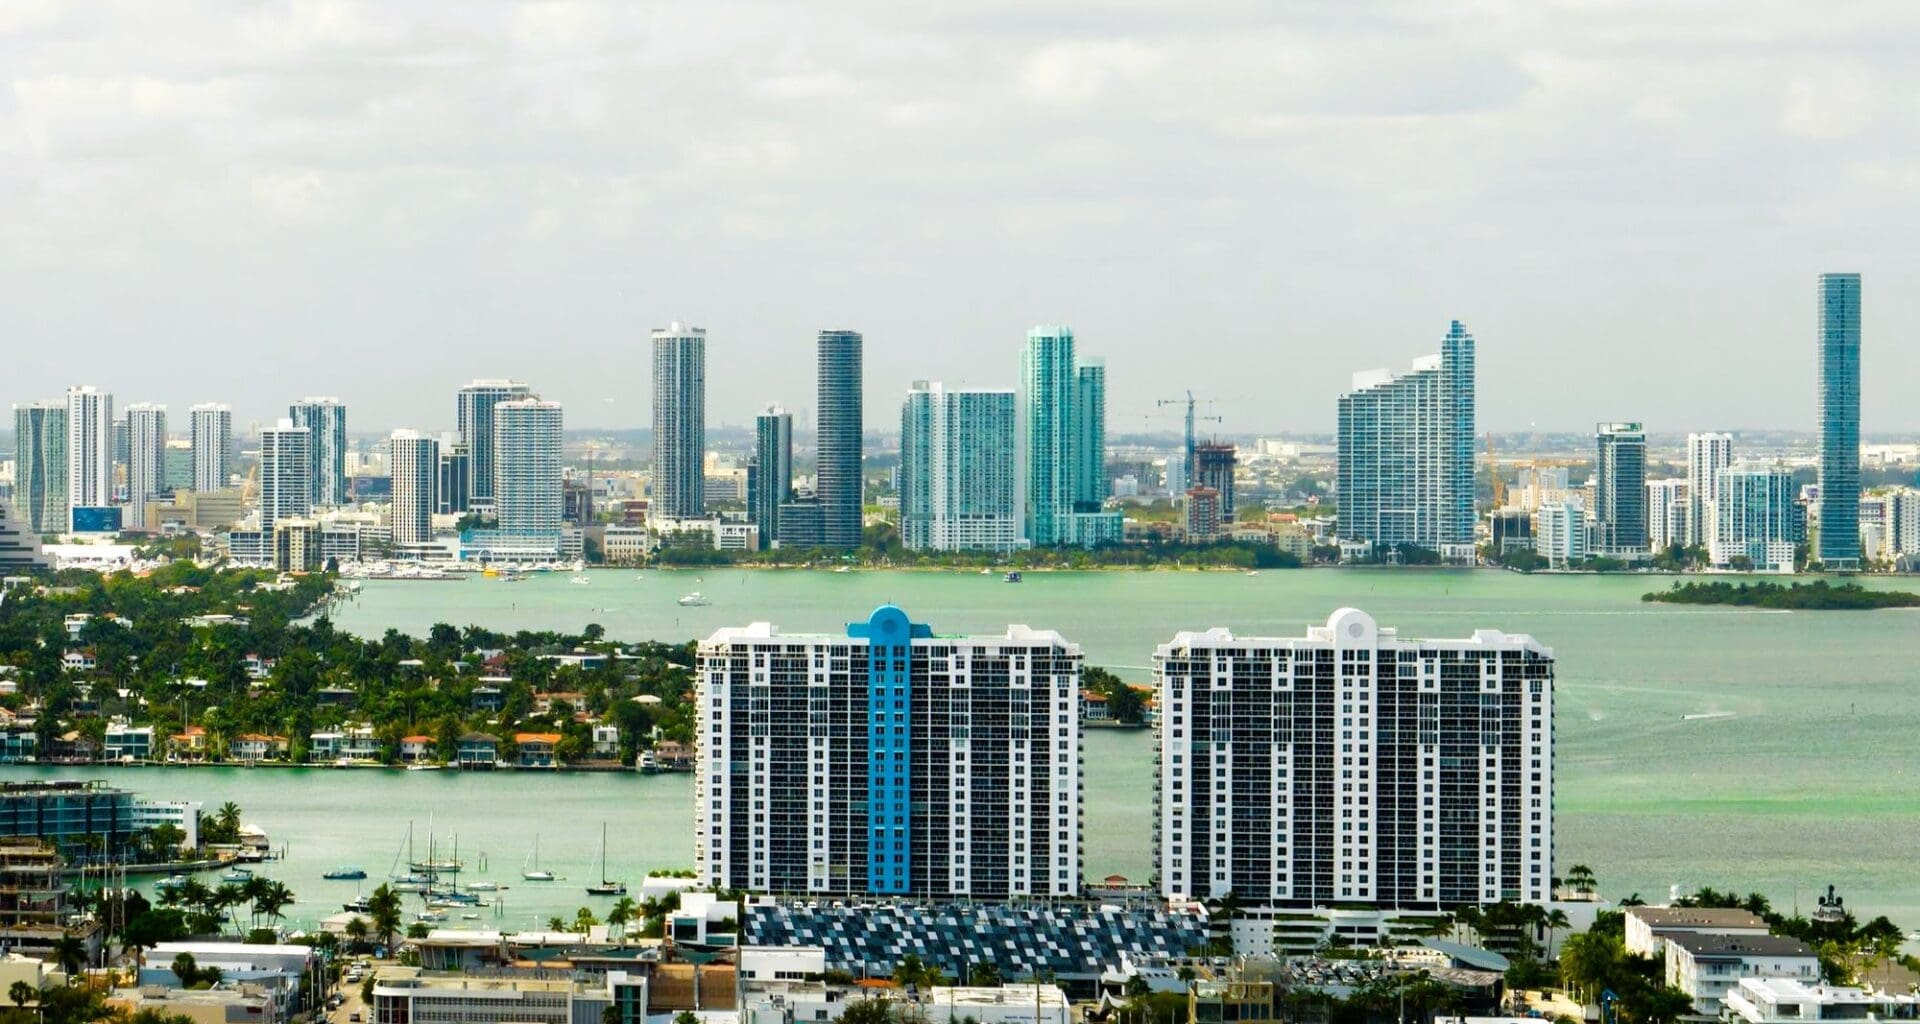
column 126, row 742
column 1706, row 967
column 323, row 747
column 256, row 746
column 606, row 741
column 18, row 745
column 536, row 749
column 582, row 660
column 190, row 744
column 477, row 750
column 361, row 744
column 1093, row 706
column 416, row 749
column 1787, row 1001
column 72, row 746
column 672, row 755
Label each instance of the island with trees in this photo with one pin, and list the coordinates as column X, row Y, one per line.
column 1818, row 595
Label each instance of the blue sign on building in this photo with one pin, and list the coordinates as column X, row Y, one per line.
column 96, row 519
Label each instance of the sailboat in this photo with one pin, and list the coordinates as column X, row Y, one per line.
column 531, row 871
column 408, row 881
column 605, row 887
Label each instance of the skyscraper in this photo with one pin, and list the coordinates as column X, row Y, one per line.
column 526, row 460
column 1757, row 522
column 1213, row 466
column 846, row 764
column 286, row 474
column 957, row 460
column 1354, row 768
column 326, row 423
column 1057, row 502
column 89, row 448
column 1405, row 471
column 1707, row 455
column 838, row 483
column 1620, row 488
column 456, row 471
column 146, row 459
column 474, row 420
column 1090, row 418
column 1666, row 513
column 1839, row 415
column 40, row 466
column 772, row 471
column 413, row 461
column 211, row 428
column 679, row 422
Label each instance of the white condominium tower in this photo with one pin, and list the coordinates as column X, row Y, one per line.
column 89, row 448
column 146, row 459
column 1707, row 455
column 212, row 434
column 40, row 466
column 1405, row 462
column 474, row 420
column 957, row 469
column 526, row 464
column 413, row 460
column 286, row 473
column 326, row 423
column 1354, row 767
column 679, row 422
column 1666, row 513
column 889, row 761
column 1758, row 523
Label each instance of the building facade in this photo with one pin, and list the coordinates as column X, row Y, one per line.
column 146, row 458
column 455, row 478
column 474, row 421
column 1758, row 524
column 889, row 762
column 210, row 426
column 1213, row 466
column 679, row 422
column 1839, row 421
column 1405, row 461
column 413, row 462
column 527, row 463
column 1667, row 510
column 1620, row 489
column 326, row 423
column 957, row 465
column 1355, row 767
column 1560, row 532
column 89, row 449
column 838, row 480
column 286, row 473
column 1707, row 455
column 772, row 484
column 1059, row 506
column 40, row 467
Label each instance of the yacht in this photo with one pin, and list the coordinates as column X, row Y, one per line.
column 646, row 763
column 346, row 873
column 431, row 916
column 423, row 767
column 236, row 874
column 694, row 600
column 482, row 886
column 170, row 882
column 357, row 905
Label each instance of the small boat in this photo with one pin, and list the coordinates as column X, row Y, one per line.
column 469, row 917
column 1013, row 577
column 346, row 873
column 843, row 568
column 986, row 572
column 236, row 874
column 532, row 871
column 170, row 882
column 482, row 886
column 694, row 600
column 431, row 916
column 357, row 905
column 646, row 763
column 582, row 580
column 605, row 887
column 423, row 767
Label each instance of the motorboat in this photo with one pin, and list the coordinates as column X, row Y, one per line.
column 236, row 874
column 482, row 886
column 423, row 767
column 169, row 883
column 1013, row 577
column 579, row 578
column 358, row 905
column 646, row 763
column 694, row 600
column 346, row 873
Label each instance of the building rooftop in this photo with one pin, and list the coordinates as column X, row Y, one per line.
column 1702, row 944
column 1696, row 917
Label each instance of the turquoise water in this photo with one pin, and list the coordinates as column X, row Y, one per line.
column 1807, row 773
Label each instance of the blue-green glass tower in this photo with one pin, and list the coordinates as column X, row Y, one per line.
column 1839, row 421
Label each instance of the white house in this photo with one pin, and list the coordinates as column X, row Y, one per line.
column 1790, row 1001
column 1706, row 967
column 124, row 742
column 606, row 741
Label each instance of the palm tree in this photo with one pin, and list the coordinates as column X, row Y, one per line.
column 1580, row 879
column 71, row 954
column 1555, row 920
column 22, row 993
column 275, row 900
column 357, row 930
column 228, row 820
column 384, row 905
column 225, row 899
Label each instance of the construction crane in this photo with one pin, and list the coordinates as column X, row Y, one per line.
column 1189, row 401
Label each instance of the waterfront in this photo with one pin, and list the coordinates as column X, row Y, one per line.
column 1803, row 775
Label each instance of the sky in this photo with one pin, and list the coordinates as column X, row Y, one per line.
column 1627, row 201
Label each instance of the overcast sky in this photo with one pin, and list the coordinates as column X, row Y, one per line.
column 1627, row 201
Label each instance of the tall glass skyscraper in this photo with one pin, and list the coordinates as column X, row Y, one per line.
column 413, row 460
column 526, row 461
column 772, row 471
column 40, row 466
column 89, row 448
column 837, row 475
column 211, row 428
column 1060, row 479
column 1620, row 487
column 474, row 421
column 146, row 459
column 679, row 422
column 326, row 423
column 957, row 461
column 1839, row 415
column 1405, row 465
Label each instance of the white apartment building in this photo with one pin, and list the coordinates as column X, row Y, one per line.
column 413, row 462
column 1648, row 928
column 181, row 814
column 1706, row 967
column 89, row 448
column 1355, row 768
column 286, row 474
column 210, row 427
column 957, row 463
column 529, row 997
column 1707, row 455
column 1560, row 532
column 889, row 761
column 1666, row 513
column 1756, row 518
column 146, row 459
column 1791, row 1001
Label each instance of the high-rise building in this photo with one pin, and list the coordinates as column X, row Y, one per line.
column 1839, row 416
column 1620, row 488
column 679, row 422
column 1666, row 513
column 957, row 461
column 1707, row 455
column 211, row 428
column 1090, row 417
column 1560, row 531
column 1213, row 466
column 1405, row 462
column 326, row 423
column 40, row 467
column 474, row 421
column 1758, row 524
column 889, row 762
column 772, row 471
column 146, row 458
column 1203, row 515
column 286, row 474
column 456, row 474
column 1058, row 506
column 526, row 462
column 413, row 463
column 838, row 480
column 1354, row 768
column 89, row 448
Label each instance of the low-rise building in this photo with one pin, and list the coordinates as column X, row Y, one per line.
column 1706, row 966
column 536, row 749
column 1792, row 1001
column 525, row 997
column 257, row 746
column 282, row 973
column 477, row 750
column 125, row 742
column 181, row 814
column 190, row 744
column 417, row 749
column 1648, row 928
column 222, row 1004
